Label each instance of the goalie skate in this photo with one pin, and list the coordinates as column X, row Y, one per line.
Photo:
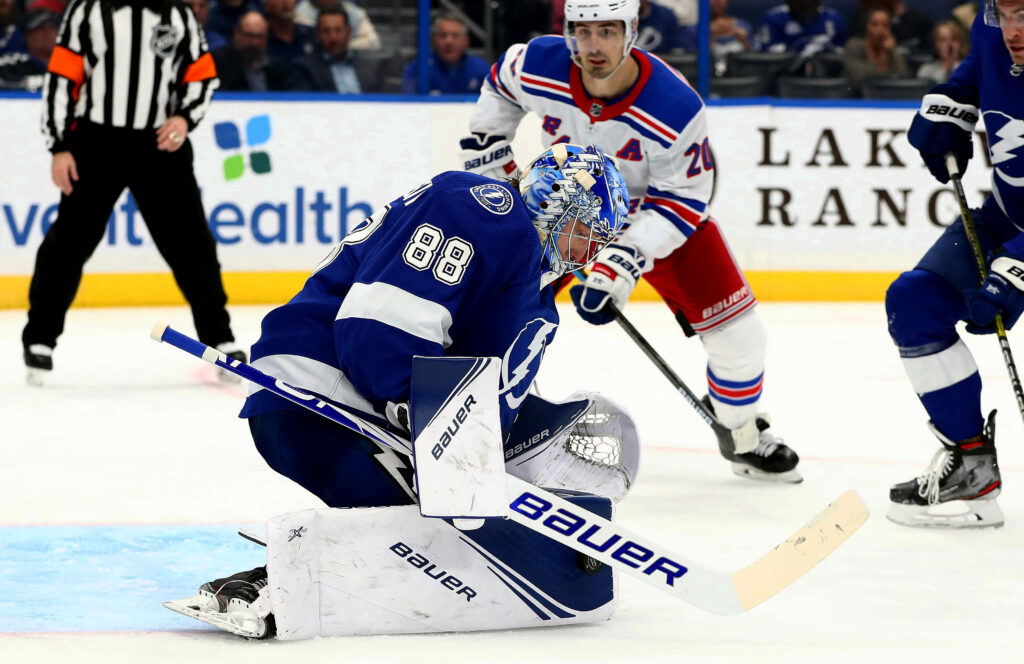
column 238, row 604
column 770, row 461
column 959, row 488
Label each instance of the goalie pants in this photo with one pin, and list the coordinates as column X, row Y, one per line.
column 165, row 190
column 338, row 466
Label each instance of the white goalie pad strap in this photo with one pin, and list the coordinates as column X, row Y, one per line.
column 599, row 454
column 460, row 466
column 940, row 108
column 386, row 570
column 1010, row 269
column 929, row 373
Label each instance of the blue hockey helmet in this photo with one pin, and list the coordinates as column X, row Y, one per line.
column 578, row 200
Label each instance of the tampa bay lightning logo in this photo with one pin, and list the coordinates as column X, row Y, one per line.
column 1006, row 140
column 493, row 197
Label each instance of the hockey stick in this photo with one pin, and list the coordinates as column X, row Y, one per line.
column 979, row 256
column 543, row 512
column 660, row 363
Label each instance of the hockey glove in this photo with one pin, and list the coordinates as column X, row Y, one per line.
column 1002, row 292
column 489, row 155
column 616, row 270
column 943, row 125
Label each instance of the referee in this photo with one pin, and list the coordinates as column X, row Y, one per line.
column 127, row 81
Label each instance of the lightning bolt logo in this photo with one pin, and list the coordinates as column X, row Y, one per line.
column 1011, row 137
column 394, row 465
column 534, row 350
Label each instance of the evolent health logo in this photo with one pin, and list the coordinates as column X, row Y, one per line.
column 257, row 132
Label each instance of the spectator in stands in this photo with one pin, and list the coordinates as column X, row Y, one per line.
column 910, row 27
column 728, row 33
column 245, row 65
column 949, row 45
column 364, row 33
column 803, row 27
column 658, row 28
column 875, row 54
column 224, row 15
column 25, row 70
column 10, row 36
column 286, row 39
column 451, row 70
column 329, row 67
column 201, row 8
column 964, row 15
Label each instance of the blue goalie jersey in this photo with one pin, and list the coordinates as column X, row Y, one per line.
column 984, row 78
column 452, row 268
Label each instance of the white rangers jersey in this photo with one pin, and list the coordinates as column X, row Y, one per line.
column 657, row 131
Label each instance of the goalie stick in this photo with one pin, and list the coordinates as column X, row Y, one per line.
column 979, row 256
column 541, row 511
column 655, row 357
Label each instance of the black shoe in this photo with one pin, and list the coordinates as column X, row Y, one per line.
column 237, row 593
column 772, row 460
column 39, row 362
column 965, row 471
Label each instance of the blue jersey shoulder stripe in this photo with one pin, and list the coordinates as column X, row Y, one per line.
column 667, row 97
column 547, row 56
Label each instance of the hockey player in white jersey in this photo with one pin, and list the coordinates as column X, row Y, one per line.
column 924, row 305
column 596, row 87
column 456, row 269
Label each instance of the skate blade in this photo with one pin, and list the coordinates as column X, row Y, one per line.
column 36, row 377
column 954, row 514
column 237, row 622
column 789, row 477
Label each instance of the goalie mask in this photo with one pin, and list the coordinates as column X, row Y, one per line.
column 578, row 201
column 627, row 11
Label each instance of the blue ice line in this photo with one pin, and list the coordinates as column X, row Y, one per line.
column 112, row 578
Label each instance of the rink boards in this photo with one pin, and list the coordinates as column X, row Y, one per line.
column 819, row 201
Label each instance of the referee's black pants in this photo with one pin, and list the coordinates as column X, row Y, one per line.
column 165, row 190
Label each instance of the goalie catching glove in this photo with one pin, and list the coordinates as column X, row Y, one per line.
column 616, row 270
column 489, row 155
column 1002, row 292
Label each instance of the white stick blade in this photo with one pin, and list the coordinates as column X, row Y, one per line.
column 800, row 552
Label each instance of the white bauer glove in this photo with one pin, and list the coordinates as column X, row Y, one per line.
column 613, row 277
column 489, row 155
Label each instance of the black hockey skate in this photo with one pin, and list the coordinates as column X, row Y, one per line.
column 959, row 488
column 39, row 363
column 770, row 461
column 238, row 604
column 231, row 349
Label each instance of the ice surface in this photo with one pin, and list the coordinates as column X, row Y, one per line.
column 122, row 483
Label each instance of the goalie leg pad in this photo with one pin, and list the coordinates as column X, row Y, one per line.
column 389, row 571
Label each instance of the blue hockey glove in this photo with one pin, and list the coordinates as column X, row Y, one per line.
column 1002, row 292
column 613, row 277
column 943, row 125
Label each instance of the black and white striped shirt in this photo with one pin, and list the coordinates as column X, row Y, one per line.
column 126, row 63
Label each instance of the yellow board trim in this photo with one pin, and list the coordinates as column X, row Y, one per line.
column 158, row 289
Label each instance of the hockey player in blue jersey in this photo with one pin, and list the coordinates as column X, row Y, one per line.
column 457, row 267
column 925, row 304
column 593, row 85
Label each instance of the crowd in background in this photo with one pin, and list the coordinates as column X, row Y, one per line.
column 339, row 46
